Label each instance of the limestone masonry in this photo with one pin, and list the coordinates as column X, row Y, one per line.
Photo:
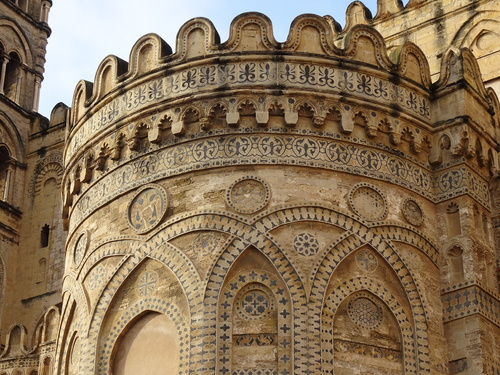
column 329, row 204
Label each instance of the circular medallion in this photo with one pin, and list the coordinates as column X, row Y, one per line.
column 412, row 212
column 366, row 260
column 147, row 208
column 80, row 247
column 368, row 202
column 248, row 195
column 306, row 244
column 365, row 312
column 146, row 283
column 253, row 302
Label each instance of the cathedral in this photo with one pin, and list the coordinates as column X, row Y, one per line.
column 327, row 204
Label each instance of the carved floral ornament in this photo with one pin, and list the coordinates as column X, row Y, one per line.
column 278, row 149
column 197, row 38
column 412, row 211
column 321, row 77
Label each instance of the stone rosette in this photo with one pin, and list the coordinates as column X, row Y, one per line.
column 368, row 202
column 364, row 311
column 248, row 195
column 412, row 212
column 254, row 302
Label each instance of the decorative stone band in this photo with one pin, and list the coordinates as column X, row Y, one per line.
column 276, row 149
column 468, row 301
column 324, row 77
column 344, row 346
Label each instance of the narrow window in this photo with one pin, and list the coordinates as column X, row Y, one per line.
column 44, row 236
column 4, row 173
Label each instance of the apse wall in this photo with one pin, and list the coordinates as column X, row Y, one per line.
column 255, row 207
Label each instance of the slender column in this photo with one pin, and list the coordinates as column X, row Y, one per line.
column 6, row 189
column 18, row 87
column 44, row 12
column 2, row 74
column 36, row 96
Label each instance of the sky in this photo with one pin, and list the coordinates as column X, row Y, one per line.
column 84, row 32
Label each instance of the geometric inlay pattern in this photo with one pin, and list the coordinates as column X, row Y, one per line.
column 366, row 260
column 365, row 312
column 343, row 346
column 248, row 195
column 278, row 302
column 338, row 155
column 187, row 82
column 147, row 283
column 260, row 371
column 97, row 277
column 252, row 303
column 306, row 244
column 205, row 243
column 470, row 299
column 147, row 208
column 368, row 202
column 412, row 212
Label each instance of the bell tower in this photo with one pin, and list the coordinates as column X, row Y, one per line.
column 30, row 175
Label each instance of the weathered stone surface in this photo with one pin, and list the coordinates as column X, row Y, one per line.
column 325, row 205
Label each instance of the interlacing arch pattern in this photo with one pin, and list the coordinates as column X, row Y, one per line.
column 133, row 255
column 203, row 297
column 362, row 234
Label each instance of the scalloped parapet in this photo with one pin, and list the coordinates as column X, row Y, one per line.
column 308, row 59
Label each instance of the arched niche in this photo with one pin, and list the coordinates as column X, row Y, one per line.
column 366, row 337
column 456, row 264
column 13, row 77
column 150, row 300
column 254, row 318
column 46, row 368
column 368, row 325
column 149, row 339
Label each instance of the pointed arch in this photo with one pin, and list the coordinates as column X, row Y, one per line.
column 11, row 138
column 167, row 311
column 347, row 289
column 15, row 40
column 13, row 77
column 254, row 318
column 135, row 254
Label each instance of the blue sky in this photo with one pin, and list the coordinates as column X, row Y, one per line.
column 84, row 32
